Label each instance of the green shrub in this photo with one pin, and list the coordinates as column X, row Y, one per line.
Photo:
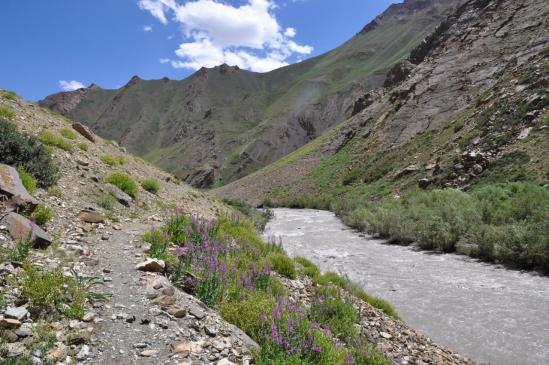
column 68, row 133
column 10, row 95
column 17, row 149
column 309, row 269
column 51, row 292
column 55, row 191
column 333, row 278
column 6, row 112
column 246, row 314
column 106, row 202
column 42, row 215
column 112, row 160
column 282, row 264
column 352, row 176
column 159, row 244
column 329, row 308
column 21, row 250
column 259, row 218
column 29, row 182
column 376, row 303
column 151, row 185
column 83, row 146
column 51, row 139
column 123, row 182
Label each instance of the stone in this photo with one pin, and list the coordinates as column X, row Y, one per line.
column 58, row 352
column 210, row 331
column 9, row 323
column 151, row 265
column 88, row 317
column 524, row 133
column 119, row 195
column 147, row 353
column 225, row 361
column 91, row 215
column 21, row 228
column 385, row 335
column 15, row 349
column 423, row 183
column 177, row 311
column 477, row 169
column 79, row 337
column 164, row 301
column 25, row 330
column 84, row 353
column 84, row 131
column 407, row 170
column 181, row 347
column 197, row 312
column 16, row 313
column 11, row 185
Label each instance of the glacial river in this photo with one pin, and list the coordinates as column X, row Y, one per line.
column 483, row 311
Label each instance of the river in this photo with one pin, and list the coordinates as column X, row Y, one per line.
column 483, row 311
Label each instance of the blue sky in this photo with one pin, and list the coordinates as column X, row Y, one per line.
column 50, row 45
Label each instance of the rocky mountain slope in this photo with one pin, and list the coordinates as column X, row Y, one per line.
column 96, row 296
column 223, row 123
column 468, row 106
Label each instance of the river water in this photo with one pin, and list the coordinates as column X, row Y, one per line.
column 483, row 311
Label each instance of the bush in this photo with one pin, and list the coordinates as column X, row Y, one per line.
column 338, row 314
column 42, row 215
column 112, row 160
column 106, row 202
column 159, row 244
column 68, row 133
column 246, row 314
column 29, row 182
column 83, row 146
column 55, row 191
column 51, row 139
column 27, row 152
column 6, row 112
column 21, row 250
column 309, row 269
column 282, row 264
column 10, row 95
column 123, row 182
column 259, row 218
column 151, row 185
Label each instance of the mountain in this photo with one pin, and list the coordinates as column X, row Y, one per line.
column 223, row 123
column 468, row 105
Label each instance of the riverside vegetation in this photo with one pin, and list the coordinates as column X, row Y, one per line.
column 226, row 265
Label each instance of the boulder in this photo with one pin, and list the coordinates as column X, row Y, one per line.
column 9, row 323
column 84, row 131
column 151, row 265
column 16, row 313
column 119, row 195
column 21, row 228
column 11, row 185
column 91, row 215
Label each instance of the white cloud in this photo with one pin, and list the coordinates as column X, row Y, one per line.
column 147, row 28
column 70, row 85
column 248, row 36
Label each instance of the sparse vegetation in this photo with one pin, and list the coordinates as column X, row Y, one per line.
column 27, row 153
column 20, row 251
column 41, row 215
column 106, row 202
column 151, row 185
column 258, row 217
column 28, row 181
column 6, row 112
column 68, row 133
column 10, row 95
column 83, row 146
column 282, row 264
column 112, row 160
column 123, row 182
column 51, row 139
column 55, row 191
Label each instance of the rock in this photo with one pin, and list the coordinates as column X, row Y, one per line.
column 79, row 337
column 197, row 312
column 84, row 353
column 424, row 183
column 25, row 330
column 84, row 131
column 477, row 169
column 119, row 195
column 182, row 347
column 524, row 133
column 91, row 215
column 151, row 265
column 162, row 283
column 148, row 353
column 11, row 185
column 164, row 301
column 177, row 311
column 15, row 349
column 9, row 323
column 407, row 170
column 385, row 335
column 16, row 313
column 20, row 228
column 210, row 331
column 59, row 352
column 88, row 317
column 225, row 361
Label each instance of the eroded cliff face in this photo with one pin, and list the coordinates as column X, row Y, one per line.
column 470, row 102
column 223, row 123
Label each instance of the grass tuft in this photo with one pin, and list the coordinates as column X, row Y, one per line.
column 123, row 182
column 51, row 139
column 68, row 133
column 151, row 185
column 112, row 160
